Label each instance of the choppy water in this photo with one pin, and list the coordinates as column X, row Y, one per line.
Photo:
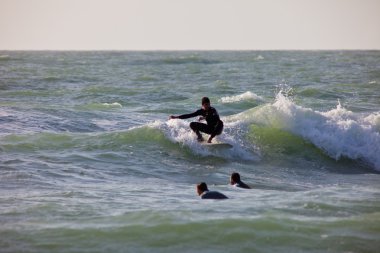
column 89, row 161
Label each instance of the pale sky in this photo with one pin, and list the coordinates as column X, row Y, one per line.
column 189, row 24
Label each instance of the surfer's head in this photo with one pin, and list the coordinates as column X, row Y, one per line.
column 235, row 178
column 206, row 103
column 202, row 187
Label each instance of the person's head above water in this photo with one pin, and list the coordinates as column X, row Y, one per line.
column 202, row 187
column 235, row 178
column 204, row 192
column 236, row 181
column 206, row 103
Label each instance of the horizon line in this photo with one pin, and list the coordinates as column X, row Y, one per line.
column 184, row 50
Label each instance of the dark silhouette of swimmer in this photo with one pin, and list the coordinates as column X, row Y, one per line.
column 214, row 125
column 235, row 181
column 204, row 193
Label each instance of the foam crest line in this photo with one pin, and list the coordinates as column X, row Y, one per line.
column 246, row 96
column 339, row 132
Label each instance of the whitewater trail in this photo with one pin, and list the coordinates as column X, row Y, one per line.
column 178, row 131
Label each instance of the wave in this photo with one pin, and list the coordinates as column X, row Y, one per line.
column 318, row 93
column 173, row 59
column 274, row 142
column 4, row 57
column 52, row 79
column 36, row 93
column 246, row 96
column 169, row 231
column 259, row 57
column 115, row 141
column 188, row 59
column 104, row 89
column 373, row 120
column 101, row 106
column 338, row 132
column 279, row 127
column 167, row 135
column 4, row 113
column 146, row 78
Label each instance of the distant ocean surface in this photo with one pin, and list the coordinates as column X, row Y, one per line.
column 90, row 162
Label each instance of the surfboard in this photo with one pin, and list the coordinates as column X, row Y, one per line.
column 217, row 145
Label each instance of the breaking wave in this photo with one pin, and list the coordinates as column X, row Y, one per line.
column 242, row 97
column 338, row 132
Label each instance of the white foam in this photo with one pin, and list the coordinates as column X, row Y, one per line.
column 242, row 97
column 373, row 120
column 338, row 132
column 3, row 113
column 104, row 122
column 115, row 104
column 178, row 131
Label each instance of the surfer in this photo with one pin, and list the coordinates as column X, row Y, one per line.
column 204, row 192
column 214, row 125
column 235, row 181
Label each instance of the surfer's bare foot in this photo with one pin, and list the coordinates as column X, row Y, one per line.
column 200, row 139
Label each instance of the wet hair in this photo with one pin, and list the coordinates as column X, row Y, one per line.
column 235, row 176
column 202, row 187
column 205, row 100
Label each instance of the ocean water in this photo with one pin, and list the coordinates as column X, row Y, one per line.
column 90, row 162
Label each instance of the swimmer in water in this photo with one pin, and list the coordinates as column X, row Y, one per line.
column 214, row 125
column 204, row 192
column 235, row 181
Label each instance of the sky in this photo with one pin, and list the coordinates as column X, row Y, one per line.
column 189, row 24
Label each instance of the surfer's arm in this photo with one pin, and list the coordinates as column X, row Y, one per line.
column 190, row 115
column 186, row 116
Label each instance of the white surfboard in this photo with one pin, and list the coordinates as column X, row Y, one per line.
column 217, row 145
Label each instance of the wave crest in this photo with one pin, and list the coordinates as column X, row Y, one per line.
column 242, row 97
column 101, row 106
column 338, row 132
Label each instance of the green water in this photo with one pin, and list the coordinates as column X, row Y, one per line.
column 90, row 162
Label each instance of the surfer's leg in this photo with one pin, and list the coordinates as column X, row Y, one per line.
column 199, row 127
column 218, row 130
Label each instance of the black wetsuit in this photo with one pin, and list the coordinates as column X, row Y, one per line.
column 242, row 185
column 213, row 195
column 214, row 124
